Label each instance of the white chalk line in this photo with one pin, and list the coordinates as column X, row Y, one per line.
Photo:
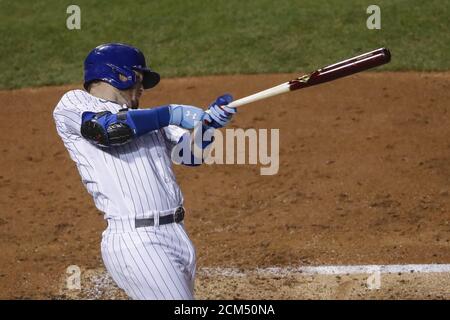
column 326, row 270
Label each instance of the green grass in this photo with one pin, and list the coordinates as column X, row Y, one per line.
column 218, row 37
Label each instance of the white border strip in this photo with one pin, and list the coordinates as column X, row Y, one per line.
column 327, row 270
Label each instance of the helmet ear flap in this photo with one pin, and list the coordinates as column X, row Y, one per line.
column 125, row 78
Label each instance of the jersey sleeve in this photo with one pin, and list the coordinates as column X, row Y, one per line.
column 173, row 134
column 68, row 112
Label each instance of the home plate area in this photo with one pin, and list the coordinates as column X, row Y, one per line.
column 420, row 281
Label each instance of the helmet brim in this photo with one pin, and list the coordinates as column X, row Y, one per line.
column 150, row 78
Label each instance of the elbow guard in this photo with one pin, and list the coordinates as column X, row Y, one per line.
column 106, row 129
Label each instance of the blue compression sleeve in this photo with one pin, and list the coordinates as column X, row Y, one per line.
column 140, row 121
column 146, row 120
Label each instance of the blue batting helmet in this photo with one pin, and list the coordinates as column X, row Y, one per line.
column 108, row 61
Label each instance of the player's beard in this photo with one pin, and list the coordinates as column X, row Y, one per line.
column 135, row 97
column 134, row 103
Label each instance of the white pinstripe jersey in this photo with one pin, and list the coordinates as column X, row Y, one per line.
column 132, row 180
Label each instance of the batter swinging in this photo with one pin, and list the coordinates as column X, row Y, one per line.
column 123, row 156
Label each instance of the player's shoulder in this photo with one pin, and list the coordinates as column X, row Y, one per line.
column 74, row 99
column 76, row 96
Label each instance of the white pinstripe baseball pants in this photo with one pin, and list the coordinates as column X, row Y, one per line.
column 150, row 263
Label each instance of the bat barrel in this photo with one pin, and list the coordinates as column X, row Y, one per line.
column 357, row 64
column 344, row 68
column 334, row 71
column 382, row 55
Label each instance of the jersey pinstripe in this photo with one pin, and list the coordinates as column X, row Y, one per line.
column 151, row 263
column 134, row 179
column 130, row 182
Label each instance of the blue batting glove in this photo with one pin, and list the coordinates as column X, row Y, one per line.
column 219, row 113
column 185, row 116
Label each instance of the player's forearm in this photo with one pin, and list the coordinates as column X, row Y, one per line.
column 106, row 129
column 147, row 120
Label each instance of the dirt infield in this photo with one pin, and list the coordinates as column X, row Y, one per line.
column 96, row 284
column 364, row 178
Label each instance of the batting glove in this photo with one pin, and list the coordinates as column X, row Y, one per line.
column 219, row 113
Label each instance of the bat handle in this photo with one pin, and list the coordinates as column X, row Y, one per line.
column 282, row 88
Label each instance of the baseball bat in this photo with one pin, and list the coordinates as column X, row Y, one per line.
column 331, row 72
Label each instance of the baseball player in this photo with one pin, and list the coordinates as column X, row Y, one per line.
column 123, row 155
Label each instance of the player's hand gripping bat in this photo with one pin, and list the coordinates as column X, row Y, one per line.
column 338, row 70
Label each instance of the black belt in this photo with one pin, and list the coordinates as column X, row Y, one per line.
column 177, row 217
